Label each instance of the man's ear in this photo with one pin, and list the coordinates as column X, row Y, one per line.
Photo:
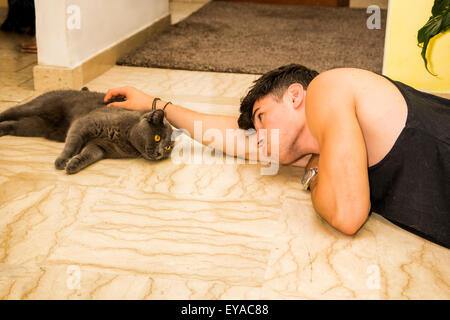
column 295, row 94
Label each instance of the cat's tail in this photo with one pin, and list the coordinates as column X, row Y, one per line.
column 36, row 118
column 30, row 108
column 17, row 112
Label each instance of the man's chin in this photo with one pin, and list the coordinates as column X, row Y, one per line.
column 288, row 159
column 282, row 160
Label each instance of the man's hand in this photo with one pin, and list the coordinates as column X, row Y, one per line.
column 135, row 99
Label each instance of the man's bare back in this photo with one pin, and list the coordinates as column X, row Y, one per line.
column 381, row 110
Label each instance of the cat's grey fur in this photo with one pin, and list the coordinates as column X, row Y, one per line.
column 91, row 130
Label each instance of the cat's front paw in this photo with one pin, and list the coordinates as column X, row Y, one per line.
column 73, row 166
column 60, row 163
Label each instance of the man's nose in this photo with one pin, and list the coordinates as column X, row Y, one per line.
column 259, row 137
column 264, row 141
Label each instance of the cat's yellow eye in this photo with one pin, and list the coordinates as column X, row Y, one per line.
column 168, row 148
column 157, row 138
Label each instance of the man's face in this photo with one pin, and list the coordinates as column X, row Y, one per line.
column 269, row 113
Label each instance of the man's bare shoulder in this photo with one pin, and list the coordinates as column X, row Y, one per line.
column 364, row 95
column 329, row 87
column 340, row 78
column 351, row 81
column 331, row 92
column 347, row 87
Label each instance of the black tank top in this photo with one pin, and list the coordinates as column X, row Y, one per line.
column 410, row 186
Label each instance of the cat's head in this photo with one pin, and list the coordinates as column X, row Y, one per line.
column 152, row 136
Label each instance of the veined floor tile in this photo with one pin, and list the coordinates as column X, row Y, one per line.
column 14, row 94
column 14, row 61
column 32, row 159
column 14, row 79
column 75, row 282
column 32, row 217
column 174, row 82
column 136, row 232
column 311, row 260
column 181, row 247
column 28, row 84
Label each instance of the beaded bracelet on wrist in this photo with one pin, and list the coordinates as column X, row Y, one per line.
column 154, row 104
column 166, row 105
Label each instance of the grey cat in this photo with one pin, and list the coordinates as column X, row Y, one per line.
column 91, row 130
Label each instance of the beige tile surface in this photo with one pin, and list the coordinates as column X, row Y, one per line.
column 73, row 282
column 16, row 68
column 181, row 9
column 131, row 229
column 311, row 260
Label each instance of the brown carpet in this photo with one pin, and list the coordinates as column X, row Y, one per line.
column 255, row 38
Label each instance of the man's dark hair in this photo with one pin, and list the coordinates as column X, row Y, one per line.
column 274, row 82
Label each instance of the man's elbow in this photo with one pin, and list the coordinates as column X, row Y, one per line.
column 350, row 220
column 349, row 229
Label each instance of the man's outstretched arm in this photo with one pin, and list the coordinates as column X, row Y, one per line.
column 341, row 192
column 183, row 118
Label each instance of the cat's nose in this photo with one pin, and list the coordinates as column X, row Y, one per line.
column 158, row 154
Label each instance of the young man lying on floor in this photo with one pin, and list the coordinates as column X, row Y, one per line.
column 384, row 146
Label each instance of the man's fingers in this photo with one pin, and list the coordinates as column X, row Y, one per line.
column 108, row 95
column 115, row 92
column 118, row 104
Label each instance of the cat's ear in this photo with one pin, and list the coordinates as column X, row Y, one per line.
column 156, row 117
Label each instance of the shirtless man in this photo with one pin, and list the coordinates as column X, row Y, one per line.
column 383, row 146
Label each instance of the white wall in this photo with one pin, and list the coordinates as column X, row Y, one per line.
column 102, row 23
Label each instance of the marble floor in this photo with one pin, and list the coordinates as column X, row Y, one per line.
column 130, row 229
